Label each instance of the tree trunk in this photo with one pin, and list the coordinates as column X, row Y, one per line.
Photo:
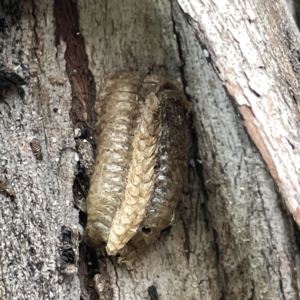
column 232, row 237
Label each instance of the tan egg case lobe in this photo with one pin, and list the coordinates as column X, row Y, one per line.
column 118, row 109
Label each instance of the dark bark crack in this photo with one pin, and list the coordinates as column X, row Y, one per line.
column 82, row 111
column 81, row 78
column 34, row 29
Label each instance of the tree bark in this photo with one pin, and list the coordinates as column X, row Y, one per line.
column 264, row 86
column 232, row 237
column 31, row 222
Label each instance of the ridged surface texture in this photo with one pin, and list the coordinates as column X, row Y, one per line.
column 140, row 179
column 171, row 169
column 140, row 168
column 118, row 111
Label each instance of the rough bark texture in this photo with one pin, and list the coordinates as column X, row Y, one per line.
column 232, row 237
column 260, row 231
column 265, row 84
column 292, row 6
column 31, row 222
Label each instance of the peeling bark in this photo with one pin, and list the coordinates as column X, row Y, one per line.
column 258, row 67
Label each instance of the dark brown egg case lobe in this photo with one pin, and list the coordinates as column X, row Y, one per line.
column 171, row 168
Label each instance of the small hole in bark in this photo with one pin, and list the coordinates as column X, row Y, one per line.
column 146, row 230
column 63, row 265
column 21, row 93
column 55, row 109
column 149, row 71
column 152, row 291
column 166, row 230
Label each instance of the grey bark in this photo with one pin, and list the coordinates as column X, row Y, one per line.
column 291, row 6
column 232, row 237
column 31, row 222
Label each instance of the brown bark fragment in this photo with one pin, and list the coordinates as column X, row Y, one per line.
column 249, row 122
